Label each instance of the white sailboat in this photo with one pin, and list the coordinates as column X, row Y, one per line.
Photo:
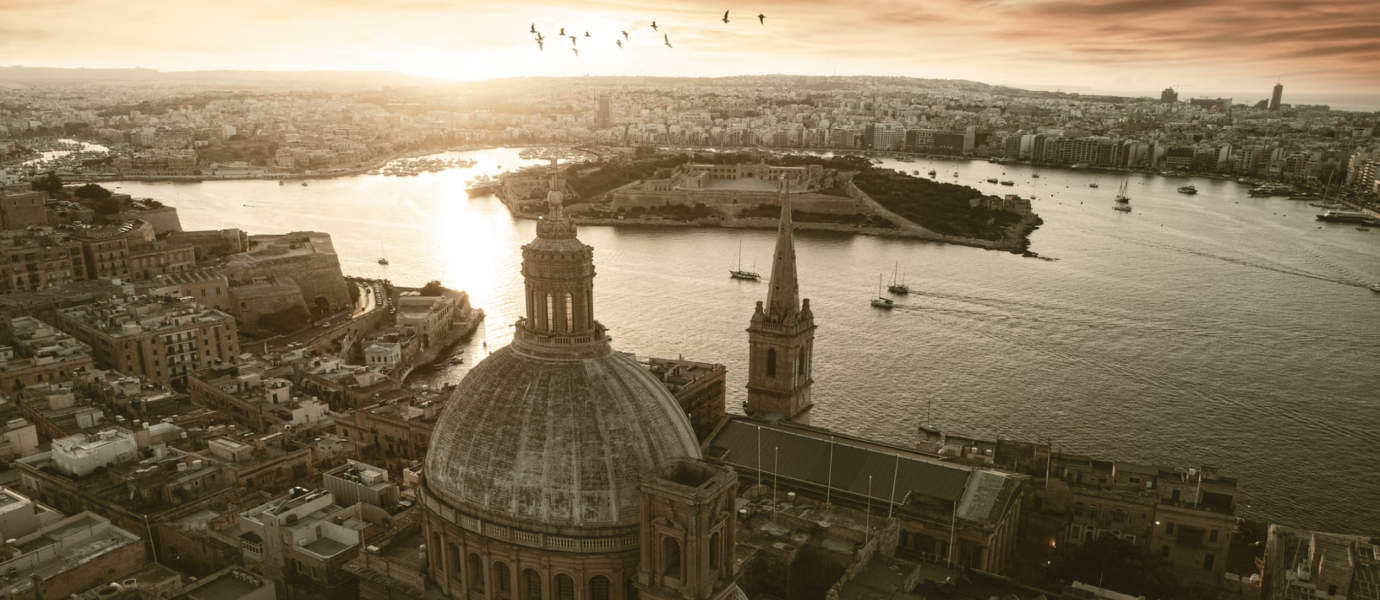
column 738, row 273
column 881, row 302
column 897, row 287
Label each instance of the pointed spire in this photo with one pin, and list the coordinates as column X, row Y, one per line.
column 783, row 298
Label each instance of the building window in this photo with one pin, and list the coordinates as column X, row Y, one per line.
column 531, row 584
column 714, row 551
column 1169, row 527
column 565, row 587
column 501, row 579
column 1207, row 562
column 1164, row 551
column 671, row 555
column 599, row 587
column 771, row 363
column 476, row 573
column 1332, row 590
column 1212, row 536
column 453, row 561
column 800, row 363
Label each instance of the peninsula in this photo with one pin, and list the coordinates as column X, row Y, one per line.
column 738, row 189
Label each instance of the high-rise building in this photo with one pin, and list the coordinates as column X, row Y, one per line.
column 1169, row 95
column 1275, row 96
column 781, row 336
column 603, row 110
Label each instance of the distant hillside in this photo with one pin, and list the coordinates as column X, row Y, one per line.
column 51, row 75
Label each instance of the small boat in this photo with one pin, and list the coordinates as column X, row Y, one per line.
column 1361, row 228
column 739, row 273
column 280, row 182
column 955, row 174
column 1375, row 288
column 382, row 259
column 1122, row 208
column 457, row 360
column 881, row 302
column 1092, row 185
column 932, row 173
column 1121, row 197
column 304, row 184
column 898, row 287
column 1035, row 175
column 1189, row 189
column 1007, row 182
column 991, row 180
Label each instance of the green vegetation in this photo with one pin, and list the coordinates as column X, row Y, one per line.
column 100, row 199
column 256, row 151
column 676, row 212
column 806, row 217
column 943, row 208
column 1118, row 565
column 595, row 182
column 49, row 183
column 432, row 288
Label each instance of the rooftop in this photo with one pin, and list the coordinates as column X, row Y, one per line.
column 140, row 314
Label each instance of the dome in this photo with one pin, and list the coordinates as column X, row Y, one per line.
column 553, row 441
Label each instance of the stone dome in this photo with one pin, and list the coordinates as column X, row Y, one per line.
column 550, row 441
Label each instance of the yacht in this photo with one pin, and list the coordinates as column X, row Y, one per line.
column 933, row 172
column 304, row 184
column 1121, row 197
column 739, row 273
column 881, row 302
column 991, row 180
column 1375, row 287
column 1122, row 208
column 1035, row 175
column 1092, row 185
column 898, row 287
column 1007, row 182
column 1189, row 189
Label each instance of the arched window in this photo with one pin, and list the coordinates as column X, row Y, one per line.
column 599, row 587
column 531, row 306
column 800, row 363
column 565, row 587
column 550, row 313
column 771, row 363
column 714, row 551
column 569, row 313
column 531, row 584
column 476, row 573
column 589, row 308
column 671, row 555
column 453, row 561
column 501, row 581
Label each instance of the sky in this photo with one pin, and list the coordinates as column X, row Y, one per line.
column 1317, row 48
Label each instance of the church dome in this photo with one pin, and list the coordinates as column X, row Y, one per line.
column 555, row 431
column 554, row 442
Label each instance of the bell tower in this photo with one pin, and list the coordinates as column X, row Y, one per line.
column 781, row 337
column 688, row 532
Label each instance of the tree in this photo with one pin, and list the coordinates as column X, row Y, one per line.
column 432, row 288
column 93, row 192
column 1118, row 565
column 49, row 183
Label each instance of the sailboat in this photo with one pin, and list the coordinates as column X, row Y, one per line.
column 739, row 274
column 881, row 302
column 1123, row 202
column 897, row 287
column 382, row 259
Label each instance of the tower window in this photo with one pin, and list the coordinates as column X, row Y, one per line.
column 714, row 551
column 569, row 313
column 771, row 363
column 800, row 363
column 550, row 313
column 501, row 578
column 476, row 573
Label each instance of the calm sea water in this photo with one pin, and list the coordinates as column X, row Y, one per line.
column 1214, row 329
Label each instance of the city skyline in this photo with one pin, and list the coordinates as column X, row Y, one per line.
column 1324, row 52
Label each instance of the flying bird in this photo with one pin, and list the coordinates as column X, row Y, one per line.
column 540, row 46
column 576, row 51
column 534, row 28
column 619, row 42
column 654, row 26
column 761, row 18
column 725, row 16
column 668, row 40
column 562, row 32
column 586, row 34
column 572, row 40
column 539, row 37
column 625, row 34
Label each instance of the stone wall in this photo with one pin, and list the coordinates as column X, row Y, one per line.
column 251, row 300
column 163, row 219
column 734, row 202
column 210, row 243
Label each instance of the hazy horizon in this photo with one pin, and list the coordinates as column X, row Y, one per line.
column 1129, row 47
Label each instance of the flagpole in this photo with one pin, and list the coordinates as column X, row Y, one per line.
column 895, row 470
column 829, row 482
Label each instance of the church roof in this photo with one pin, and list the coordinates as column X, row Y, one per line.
column 555, row 442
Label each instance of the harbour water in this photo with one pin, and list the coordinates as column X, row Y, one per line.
column 1213, row 329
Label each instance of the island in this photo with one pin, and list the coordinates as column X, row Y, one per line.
column 739, row 189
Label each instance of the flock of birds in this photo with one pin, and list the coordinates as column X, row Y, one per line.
column 665, row 37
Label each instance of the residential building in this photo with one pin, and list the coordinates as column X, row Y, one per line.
column 158, row 337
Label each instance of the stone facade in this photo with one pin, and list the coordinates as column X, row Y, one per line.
column 781, row 337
